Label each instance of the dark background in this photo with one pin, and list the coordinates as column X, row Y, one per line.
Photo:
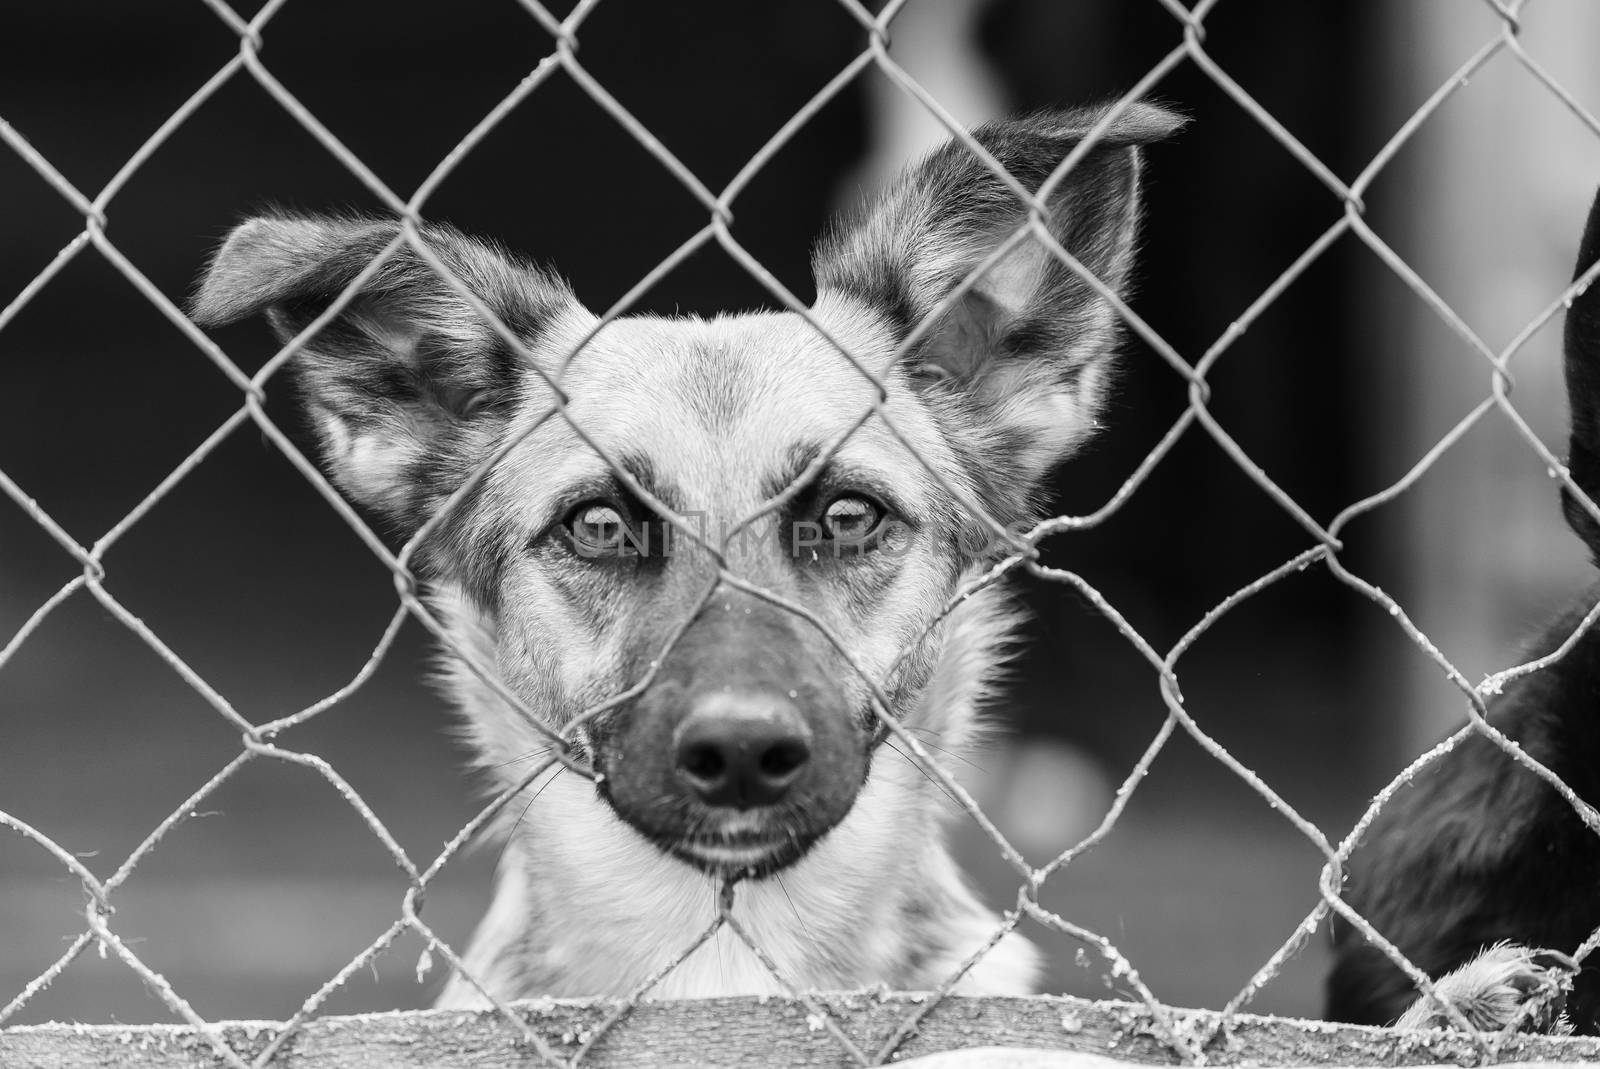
column 249, row 577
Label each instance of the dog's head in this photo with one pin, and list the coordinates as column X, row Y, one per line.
column 755, row 731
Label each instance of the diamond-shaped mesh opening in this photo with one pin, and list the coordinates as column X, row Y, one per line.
column 131, row 727
column 223, row 881
column 215, row 566
column 408, row 113
column 241, row 674
column 87, row 101
column 1265, row 868
column 89, row 448
column 90, row 980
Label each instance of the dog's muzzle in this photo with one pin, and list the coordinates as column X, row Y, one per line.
column 744, row 750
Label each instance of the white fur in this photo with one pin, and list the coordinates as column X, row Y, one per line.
column 608, row 908
column 1507, row 984
column 718, row 409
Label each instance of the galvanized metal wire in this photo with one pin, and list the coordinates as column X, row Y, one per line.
column 260, row 741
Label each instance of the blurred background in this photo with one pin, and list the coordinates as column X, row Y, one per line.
column 1336, row 390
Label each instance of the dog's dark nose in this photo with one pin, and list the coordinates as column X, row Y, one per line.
column 741, row 749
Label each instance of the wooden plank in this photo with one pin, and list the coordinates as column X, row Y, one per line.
column 757, row 1031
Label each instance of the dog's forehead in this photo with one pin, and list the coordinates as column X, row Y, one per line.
column 724, row 406
column 728, row 374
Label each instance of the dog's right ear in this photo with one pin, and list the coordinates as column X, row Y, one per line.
column 1016, row 367
column 408, row 385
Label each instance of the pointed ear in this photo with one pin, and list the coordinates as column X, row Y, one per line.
column 408, row 385
column 1018, row 363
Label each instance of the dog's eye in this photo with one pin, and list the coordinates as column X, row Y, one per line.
column 851, row 519
column 597, row 529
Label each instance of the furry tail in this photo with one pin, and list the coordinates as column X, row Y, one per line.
column 1582, row 344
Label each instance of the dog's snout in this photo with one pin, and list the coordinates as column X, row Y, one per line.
column 742, row 750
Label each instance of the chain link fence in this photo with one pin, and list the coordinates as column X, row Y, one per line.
column 547, row 1035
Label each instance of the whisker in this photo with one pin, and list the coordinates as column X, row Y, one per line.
column 959, row 757
column 518, row 823
column 948, row 753
column 530, row 755
column 925, row 776
column 778, row 876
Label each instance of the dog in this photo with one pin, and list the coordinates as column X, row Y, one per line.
column 1478, row 852
column 754, row 754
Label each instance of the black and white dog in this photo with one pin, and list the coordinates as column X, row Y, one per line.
column 1478, row 859
column 734, row 740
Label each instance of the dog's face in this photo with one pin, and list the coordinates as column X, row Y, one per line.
column 755, row 731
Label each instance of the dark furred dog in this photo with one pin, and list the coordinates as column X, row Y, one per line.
column 1479, row 850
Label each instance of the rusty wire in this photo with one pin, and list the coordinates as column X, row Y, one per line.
column 1018, row 551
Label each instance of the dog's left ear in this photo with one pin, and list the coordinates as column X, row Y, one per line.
column 408, row 385
column 1018, row 363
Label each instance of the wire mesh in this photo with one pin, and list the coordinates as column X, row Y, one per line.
column 258, row 741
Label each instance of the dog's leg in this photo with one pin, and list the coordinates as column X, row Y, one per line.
column 1507, row 986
